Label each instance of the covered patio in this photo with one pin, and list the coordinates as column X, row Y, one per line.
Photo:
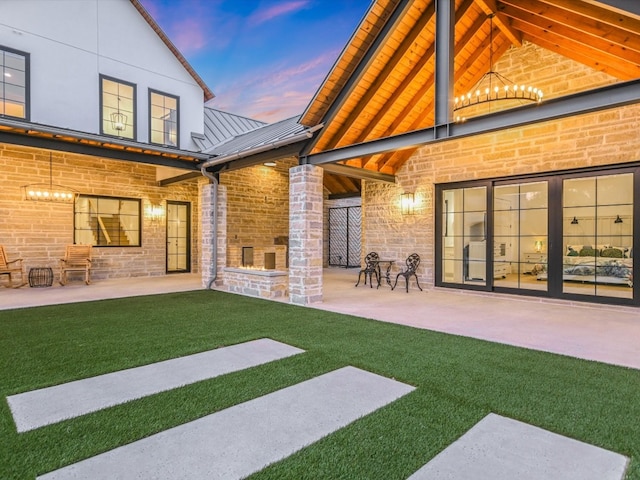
column 601, row 333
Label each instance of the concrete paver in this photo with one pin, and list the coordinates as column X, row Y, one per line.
column 499, row 448
column 50, row 405
column 238, row 441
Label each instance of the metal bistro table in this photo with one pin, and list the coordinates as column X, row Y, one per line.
column 387, row 273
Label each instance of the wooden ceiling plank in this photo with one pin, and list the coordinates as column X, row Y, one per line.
column 489, row 7
column 583, row 24
column 569, row 48
column 585, row 39
column 599, row 14
column 383, row 77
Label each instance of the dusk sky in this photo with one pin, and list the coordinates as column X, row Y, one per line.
column 263, row 59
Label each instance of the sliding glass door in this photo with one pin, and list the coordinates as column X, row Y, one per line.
column 565, row 236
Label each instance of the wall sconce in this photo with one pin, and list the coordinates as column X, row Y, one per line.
column 538, row 245
column 618, row 219
column 407, row 203
column 154, row 212
column 574, row 221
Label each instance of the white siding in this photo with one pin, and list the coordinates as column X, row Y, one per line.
column 72, row 42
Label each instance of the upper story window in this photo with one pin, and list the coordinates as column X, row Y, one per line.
column 117, row 105
column 14, row 83
column 163, row 121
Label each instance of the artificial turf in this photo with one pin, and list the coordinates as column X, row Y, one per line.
column 459, row 380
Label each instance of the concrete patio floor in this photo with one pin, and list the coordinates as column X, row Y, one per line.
column 594, row 332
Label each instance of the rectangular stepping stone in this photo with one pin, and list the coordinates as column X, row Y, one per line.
column 42, row 407
column 499, row 448
column 241, row 440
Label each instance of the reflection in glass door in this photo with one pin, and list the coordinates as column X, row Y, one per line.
column 597, row 227
column 178, row 237
column 520, row 235
column 464, row 236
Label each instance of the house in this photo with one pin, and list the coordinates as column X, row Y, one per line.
column 529, row 191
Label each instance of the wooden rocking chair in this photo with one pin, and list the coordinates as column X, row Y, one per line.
column 10, row 268
column 77, row 258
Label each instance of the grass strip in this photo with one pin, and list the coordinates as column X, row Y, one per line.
column 459, row 380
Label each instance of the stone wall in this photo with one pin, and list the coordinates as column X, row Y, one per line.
column 39, row 231
column 257, row 204
column 607, row 137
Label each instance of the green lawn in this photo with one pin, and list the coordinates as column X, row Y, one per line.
column 458, row 380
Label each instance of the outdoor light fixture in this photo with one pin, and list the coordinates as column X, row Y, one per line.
column 574, row 221
column 407, row 203
column 269, row 164
column 618, row 219
column 43, row 192
column 118, row 119
column 154, row 212
column 493, row 87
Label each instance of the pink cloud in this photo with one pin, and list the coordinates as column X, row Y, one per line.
column 189, row 35
column 266, row 14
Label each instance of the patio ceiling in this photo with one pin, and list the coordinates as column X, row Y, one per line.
column 383, row 83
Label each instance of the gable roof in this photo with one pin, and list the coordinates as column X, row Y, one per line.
column 383, row 83
column 208, row 94
column 221, row 126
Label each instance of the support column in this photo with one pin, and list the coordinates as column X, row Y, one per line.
column 213, row 238
column 305, row 234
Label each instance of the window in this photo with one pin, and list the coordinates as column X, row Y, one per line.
column 107, row 221
column 163, row 121
column 14, row 83
column 117, row 105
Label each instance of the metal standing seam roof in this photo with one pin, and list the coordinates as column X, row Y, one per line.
column 221, row 126
column 264, row 135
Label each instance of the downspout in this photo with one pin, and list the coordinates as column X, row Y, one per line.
column 214, row 266
column 228, row 158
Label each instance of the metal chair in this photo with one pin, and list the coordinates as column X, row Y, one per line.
column 371, row 267
column 412, row 262
column 11, row 268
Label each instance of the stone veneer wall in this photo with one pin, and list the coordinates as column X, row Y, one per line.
column 598, row 139
column 258, row 204
column 39, row 231
column 306, row 199
column 602, row 138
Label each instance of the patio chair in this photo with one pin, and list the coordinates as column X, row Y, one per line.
column 412, row 263
column 11, row 268
column 371, row 267
column 77, row 258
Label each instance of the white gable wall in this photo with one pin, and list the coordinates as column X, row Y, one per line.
column 72, row 42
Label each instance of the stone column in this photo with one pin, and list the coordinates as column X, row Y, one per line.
column 305, row 234
column 208, row 242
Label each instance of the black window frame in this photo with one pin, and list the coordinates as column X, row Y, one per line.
column 107, row 197
column 134, row 106
column 152, row 91
column 27, row 82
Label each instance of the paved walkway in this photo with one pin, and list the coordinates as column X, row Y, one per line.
column 42, row 407
column 241, row 440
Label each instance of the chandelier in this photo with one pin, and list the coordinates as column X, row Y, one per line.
column 493, row 87
column 48, row 192
column 118, row 119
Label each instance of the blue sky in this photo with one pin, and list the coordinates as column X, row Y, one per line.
column 261, row 58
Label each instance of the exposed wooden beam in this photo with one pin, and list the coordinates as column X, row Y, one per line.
column 489, row 7
column 587, row 41
column 599, row 14
column 587, row 25
column 360, row 173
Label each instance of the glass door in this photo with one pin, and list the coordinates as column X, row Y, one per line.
column 178, row 237
column 597, row 225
